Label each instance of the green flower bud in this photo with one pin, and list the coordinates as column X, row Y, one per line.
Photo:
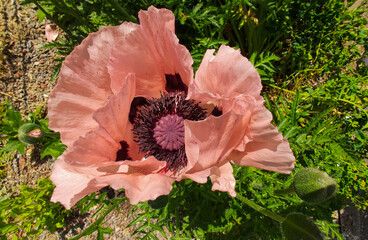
column 314, row 186
column 297, row 226
column 30, row 133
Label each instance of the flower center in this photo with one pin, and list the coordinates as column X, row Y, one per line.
column 169, row 132
column 159, row 127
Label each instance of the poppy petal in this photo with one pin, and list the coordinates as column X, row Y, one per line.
column 71, row 186
column 209, row 142
column 222, row 179
column 151, row 52
column 227, row 68
column 266, row 149
column 84, row 84
column 140, row 187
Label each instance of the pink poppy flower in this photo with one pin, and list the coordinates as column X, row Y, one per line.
column 51, row 32
column 133, row 117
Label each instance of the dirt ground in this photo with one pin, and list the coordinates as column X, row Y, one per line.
column 26, row 70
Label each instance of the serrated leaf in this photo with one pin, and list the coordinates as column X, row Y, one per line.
column 53, row 149
column 13, row 118
column 10, row 146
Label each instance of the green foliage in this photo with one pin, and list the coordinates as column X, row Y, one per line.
column 320, row 36
column 102, row 201
column 30, row 213
column 321, row 125
column 10, row 123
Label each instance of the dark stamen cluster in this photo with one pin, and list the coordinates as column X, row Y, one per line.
column 145, row 123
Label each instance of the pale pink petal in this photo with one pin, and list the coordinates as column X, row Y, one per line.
column 265, row 147
column 209, row 142
column 144, row 166
column 151, row 51
column 71, row 186
column 222, row 179
column 101, row 145
column 51, row 32
column 113, row 117
column 96, row 147
column 83, row 84
column 92, row 159
column 139, row 179
column 225, row 75
column 140, row 187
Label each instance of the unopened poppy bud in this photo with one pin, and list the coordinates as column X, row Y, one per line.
column 298, row 226
column 314, row 186
column 30, row 133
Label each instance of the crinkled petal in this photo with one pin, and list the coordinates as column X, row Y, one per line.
column 75, row 182
column 209, row 142
column 140, row 187
column 144, row 166
column 151, row 51
column 114, row 116
column 71, row 186
column 101, row 145
column 266, row 148
column 222, row 179
column 225, row 75
column 92, row 160
column 94, row 148
column 83, row 84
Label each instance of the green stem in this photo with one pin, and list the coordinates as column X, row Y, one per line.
column 260, row 209
column 287, row 191
column 51, row 134
column 94, row 226
column 282, row 89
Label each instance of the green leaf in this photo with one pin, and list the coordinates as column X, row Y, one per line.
column 59, row 225
column 14, row 145
column 99, row 235
column 360, row 135
column 10, row 146
column 297, row 226
column 53, row 149
column 40, row 15
column 13, row 117
column 105, row 230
